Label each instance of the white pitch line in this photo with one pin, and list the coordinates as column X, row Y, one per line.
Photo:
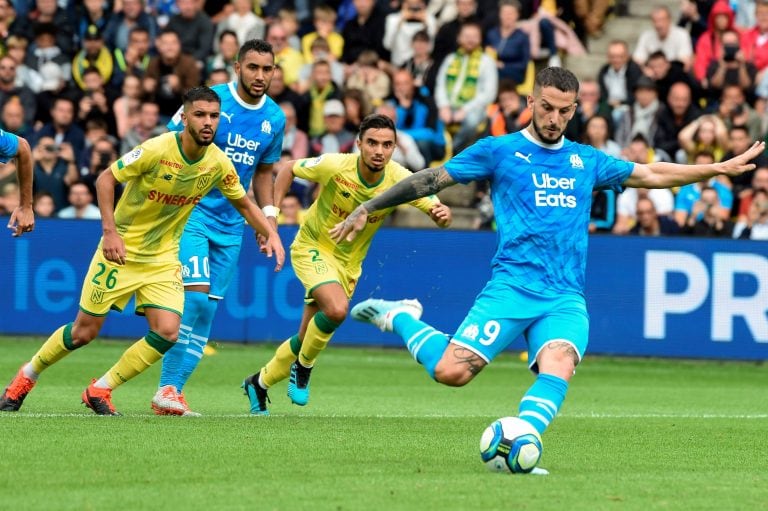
column 760, row 416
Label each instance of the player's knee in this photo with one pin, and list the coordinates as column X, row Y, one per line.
column 83, row 334
column 169, row 334
column 337, row 312
column 558, row 358
column 452, row 375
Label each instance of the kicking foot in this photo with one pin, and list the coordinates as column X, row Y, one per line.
column 382, row 312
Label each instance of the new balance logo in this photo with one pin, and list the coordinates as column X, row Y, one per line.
column 346, row 195
column 227, row 116
column 168, row 177
column 524, row 157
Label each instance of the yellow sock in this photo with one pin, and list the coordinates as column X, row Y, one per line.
column 58, row 346
column 279, row 367
column 137, row 358
column 319, row 332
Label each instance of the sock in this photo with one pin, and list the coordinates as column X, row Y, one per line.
column 319, row 333
column 198, row 338
column 279, row 367
column 58, row 346
column 542, row 401
column 136, row 359
column 426, row 344
column 173, row 361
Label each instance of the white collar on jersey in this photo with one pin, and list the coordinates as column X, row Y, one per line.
column 233, row 90
column 556, row 145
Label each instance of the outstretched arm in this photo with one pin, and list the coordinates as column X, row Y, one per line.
column 420, row 184
column 23, row 218
column 667, row 175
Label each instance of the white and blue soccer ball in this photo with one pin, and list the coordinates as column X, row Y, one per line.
column 510, row 444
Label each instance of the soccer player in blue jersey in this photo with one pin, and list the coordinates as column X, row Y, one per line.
column 251, row 134
column 541, row 187
column 11, row 146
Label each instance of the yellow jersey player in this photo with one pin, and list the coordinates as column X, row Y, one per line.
column 329, row 272
column 138, row 254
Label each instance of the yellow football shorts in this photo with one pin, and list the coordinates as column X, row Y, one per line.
column 110, row 286
column 315, row 267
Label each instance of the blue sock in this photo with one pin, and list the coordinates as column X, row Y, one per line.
column 197, row 341
column 426, row 344
column 542, row 401
column 173, row 358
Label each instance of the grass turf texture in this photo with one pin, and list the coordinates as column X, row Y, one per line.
column 378, row 434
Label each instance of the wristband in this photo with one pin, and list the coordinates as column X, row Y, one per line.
column 270, row 210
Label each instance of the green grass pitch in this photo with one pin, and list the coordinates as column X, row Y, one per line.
column 378, row 434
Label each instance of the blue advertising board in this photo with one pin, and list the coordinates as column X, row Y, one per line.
column 677, row 297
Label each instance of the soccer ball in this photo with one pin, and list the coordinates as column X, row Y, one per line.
column 510, row 444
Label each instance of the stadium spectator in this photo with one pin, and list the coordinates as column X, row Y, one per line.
column 693, row 17
column 147, row 126
column 90, row 13
column 642, row 116
column 289, row 21
column 54, row 85
column 667, row 73
column 738, row 138
column 539, row 262
column 124, row 22
column 734, row 110
column 93, row 55
column 705, row 218
column 16, row 47
column 592, row 14
column 707, row 133
column 689, row 197
column 755, row 224
column 759, row 181
column 58, row 24
column 63, row 126
column 10, row 89
column 597, row 134
column 327, row 295
column 155, row 269
column 81, row 204
column 134, row 59
column 467, row 82
column 678, row 112
column 417, row 116
column 289, row 59
column 588, row 106
column 54, row 169
column 280, row 94
column 324, row 21
column 12, row 118
column 754, row 41
column 217, row 77
column 364, row 31
column 406, row 151
column 169, row 74
column 732, row 68
column 291, row 210
column 617, row 79
column 509, row 43
column 321, row 89
column 401, row 26
column 96, row 128
column 709, row 47
column 101, row 153
column 10, row 23
column 16, row 151
column 195, row 30
column 446, row 39
column 7, row 171
column 96, row 100
column 320, row 51
column 224, row 56
column 243, row 22
column 368, row 77
column 421, row 65
column 357, row 108
column 602, row 214
column 650, row 223
column 127, row 106
column 674, row 41
column 9, row 198
column 43, row 205
column 509, row 113
column 295, row 141
column 44, row 50
column 335, row 138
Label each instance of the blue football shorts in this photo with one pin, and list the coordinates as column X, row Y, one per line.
column 502, row 313
column 209, row 256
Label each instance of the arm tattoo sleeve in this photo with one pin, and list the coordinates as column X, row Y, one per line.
column 420, row 184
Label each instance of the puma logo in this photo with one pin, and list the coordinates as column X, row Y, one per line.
column 227, row 116
column 524, row 157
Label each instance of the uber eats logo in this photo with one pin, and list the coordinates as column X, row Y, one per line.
column 551, row 191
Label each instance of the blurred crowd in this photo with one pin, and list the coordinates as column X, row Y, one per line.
column 86, row 81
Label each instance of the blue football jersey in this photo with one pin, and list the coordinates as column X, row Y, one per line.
column 542, row 196
column 9, row 146
column 248, row 135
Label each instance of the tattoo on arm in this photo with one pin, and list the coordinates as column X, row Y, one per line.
column 469, row 358
column 420, row 184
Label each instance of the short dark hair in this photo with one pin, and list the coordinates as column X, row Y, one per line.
column 557, row 77
column 376, row 122
column 257, row 45
column 201, row 93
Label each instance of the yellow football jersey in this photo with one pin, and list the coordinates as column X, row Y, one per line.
column 343, row 189
column 161, row 189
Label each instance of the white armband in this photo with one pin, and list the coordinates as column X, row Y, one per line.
column 270, row 210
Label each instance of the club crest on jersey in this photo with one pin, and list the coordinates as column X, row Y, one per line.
column 266, row 127
column 576, row 162
column 471, row 332
column 97, row 296
column 203, row 181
